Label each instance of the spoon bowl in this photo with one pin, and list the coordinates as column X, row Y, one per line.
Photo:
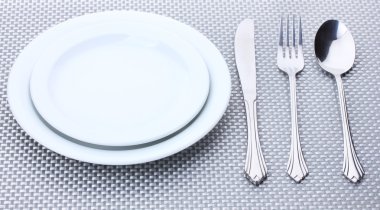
column 334, row 47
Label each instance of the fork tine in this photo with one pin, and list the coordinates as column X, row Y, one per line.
column 287, row 32
column 281, row 39
column 300, row 32
column 299, row 48
column 287, row 49
column 294, row 31
column 293, row 47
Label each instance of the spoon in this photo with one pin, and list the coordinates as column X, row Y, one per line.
column 335, row 50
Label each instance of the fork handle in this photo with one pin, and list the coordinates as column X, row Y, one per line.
column 296, row 168
column 352, row 168
column 255, row 167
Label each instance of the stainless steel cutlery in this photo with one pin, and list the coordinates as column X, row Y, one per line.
column 255, row 167
column 335, row 50
column 290, row 60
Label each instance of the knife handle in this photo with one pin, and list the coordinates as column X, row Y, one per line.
column 255, row 167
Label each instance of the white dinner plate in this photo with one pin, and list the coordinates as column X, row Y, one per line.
column 25, row 114
column 119, row 83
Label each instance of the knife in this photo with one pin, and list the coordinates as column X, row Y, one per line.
column 255, row 167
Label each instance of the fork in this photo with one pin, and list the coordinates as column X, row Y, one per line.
column 292, row 62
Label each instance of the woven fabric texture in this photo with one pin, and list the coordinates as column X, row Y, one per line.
column 209, row 174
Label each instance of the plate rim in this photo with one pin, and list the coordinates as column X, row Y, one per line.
column 125, row 157
column 198, row 76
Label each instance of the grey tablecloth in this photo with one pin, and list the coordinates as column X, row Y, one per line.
column 209, row 174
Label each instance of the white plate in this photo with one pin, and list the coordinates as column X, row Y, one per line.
column 23, row 111
column 119, row 84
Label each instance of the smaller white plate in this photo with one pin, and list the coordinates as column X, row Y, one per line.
column 119, row 84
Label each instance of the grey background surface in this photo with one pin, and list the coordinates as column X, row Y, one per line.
column 209, row 174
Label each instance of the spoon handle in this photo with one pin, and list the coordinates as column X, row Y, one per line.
column 352, row 168
column 297, row 168
column 255, row 167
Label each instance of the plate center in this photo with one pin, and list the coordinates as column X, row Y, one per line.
column 117, row 80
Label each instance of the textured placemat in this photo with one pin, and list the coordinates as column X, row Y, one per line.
column 209, row 174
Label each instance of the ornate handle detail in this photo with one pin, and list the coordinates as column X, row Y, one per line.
column 352, row 168
column 255, row 168
column 297, row 168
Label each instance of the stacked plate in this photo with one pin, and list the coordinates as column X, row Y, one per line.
column 119, row 87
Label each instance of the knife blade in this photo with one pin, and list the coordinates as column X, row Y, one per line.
column 245, row 57
column 255, row 167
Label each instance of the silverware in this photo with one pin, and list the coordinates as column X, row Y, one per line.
column 255, row 167
column 291, row 62
column 335, row 51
